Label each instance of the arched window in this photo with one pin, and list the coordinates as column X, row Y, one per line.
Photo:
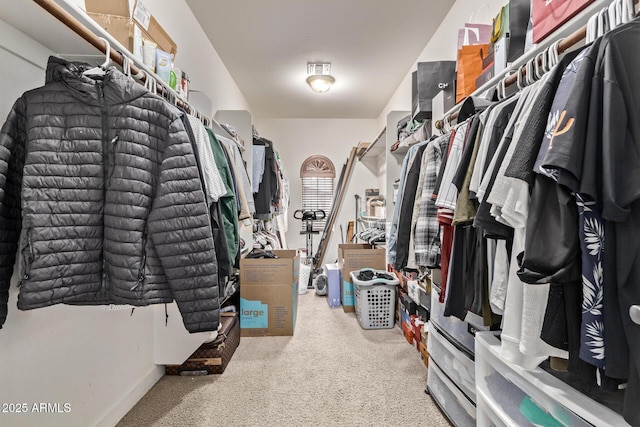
column 317, row 173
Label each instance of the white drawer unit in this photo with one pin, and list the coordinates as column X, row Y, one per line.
column 456, row 406
column 457, row 329
column 502, row 386
column 454, row 363
column 487, row 414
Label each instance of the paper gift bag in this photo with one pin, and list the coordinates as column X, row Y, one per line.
column 519, row 17
column 474, row 34
column 549, row 15
column 469, row 68
column 426, row 82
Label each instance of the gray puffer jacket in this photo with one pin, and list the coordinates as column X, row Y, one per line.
column 101, row 199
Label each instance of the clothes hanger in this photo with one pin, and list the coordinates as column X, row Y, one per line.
column 150, row 83
column 591, row 30
column 628, row 11
column 553, row 55
column 530, row 78
column 540, row 64
column 100, row 69
column 615, row 13
column 126, row 65
column 603, row 22
column 447, row 123
column 502, row 86
column 519, row 78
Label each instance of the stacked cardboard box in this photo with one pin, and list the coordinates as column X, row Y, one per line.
column 269, row 294
column 352, row 257
column 129, row 22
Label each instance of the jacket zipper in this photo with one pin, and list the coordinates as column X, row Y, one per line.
column 105, row 163
column 143, row 262
column 27, row 262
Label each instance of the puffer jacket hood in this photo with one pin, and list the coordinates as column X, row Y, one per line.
column 119, row 88
column 101, row 199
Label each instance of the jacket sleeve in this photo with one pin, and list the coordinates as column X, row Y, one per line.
column 12, row 148
column 181, row 231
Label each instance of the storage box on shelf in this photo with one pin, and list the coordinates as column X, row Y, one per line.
column 497, row 406
column 128, row 22
column 460, row 410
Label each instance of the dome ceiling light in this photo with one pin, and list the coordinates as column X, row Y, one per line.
column 320, row 79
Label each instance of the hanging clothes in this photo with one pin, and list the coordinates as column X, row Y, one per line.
column 268, row 191
column 100, row 180
column 228, row 205
column 211, row 176
column 601, row 137
column 243, row 189
column 392, row 244
column 427, row 230
column 407, row 206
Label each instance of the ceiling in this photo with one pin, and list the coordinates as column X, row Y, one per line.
column 371, row 45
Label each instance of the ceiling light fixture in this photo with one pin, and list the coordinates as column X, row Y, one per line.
column 320, row 79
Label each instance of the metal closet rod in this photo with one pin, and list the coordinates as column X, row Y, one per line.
column 565, row 44
column 76, row 26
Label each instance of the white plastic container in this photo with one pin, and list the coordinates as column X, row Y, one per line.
column 455, row 364
column 460, row 410
column 551, row 394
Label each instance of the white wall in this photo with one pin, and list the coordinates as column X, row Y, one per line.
column 99, row 362
column 297, row 139
column 443, row 45
column 196, row 56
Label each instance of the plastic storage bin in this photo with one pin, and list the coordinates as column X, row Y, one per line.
column 496, row 406
column 454, row 363
column 458, row 330
column 455, row 405
column 375, row 300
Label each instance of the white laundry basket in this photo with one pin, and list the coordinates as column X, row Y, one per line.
column 375, row 300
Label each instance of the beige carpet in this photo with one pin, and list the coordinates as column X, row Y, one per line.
column 330, row 373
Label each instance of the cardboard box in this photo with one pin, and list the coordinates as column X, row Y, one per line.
column 423, row 314
column 356, row 256
column 424, row 354
column 269, row 294
column 333, row 284
column 117, row 18
column 417, row 325
column 413, row 289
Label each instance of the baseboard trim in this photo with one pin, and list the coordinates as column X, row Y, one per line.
column 129, row 399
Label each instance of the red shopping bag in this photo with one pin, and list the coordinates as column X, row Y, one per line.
column 549, row 15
